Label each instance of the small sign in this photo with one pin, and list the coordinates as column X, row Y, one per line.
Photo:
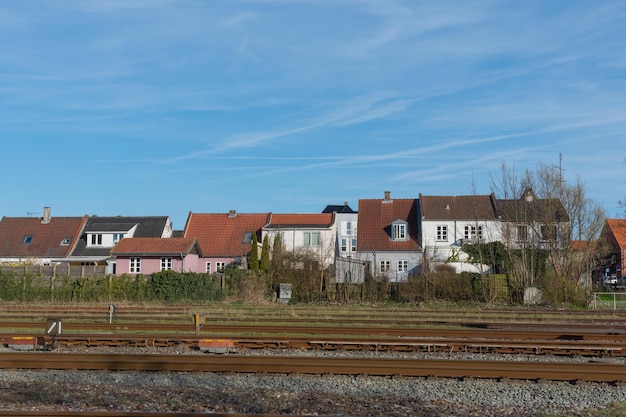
column 53, row 327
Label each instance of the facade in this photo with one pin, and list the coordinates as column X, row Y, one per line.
column 146, row 255
column 449, row 222
column 613, row 248
column 101, row 234
column 388, row 237
column 312, row 235
column 529, row 221
column 348, row 268
column 43, row 240
column 225, row 238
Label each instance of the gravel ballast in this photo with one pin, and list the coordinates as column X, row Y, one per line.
column 28, row 390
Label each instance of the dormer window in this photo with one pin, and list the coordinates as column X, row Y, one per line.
column 117, row 237
column 247, row 237
column 399, row 230
column 96, row 239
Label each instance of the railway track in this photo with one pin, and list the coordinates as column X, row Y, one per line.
column 552, row 371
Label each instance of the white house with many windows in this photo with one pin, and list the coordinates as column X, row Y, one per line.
column 310, row 235
column 448, row 222
column 388, row 237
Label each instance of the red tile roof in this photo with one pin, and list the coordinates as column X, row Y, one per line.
column 618, row 228
column 47, row 238
column 222, row 235
column 464, row 207
column 375, row 218
column 300, row 220
column 155, row 246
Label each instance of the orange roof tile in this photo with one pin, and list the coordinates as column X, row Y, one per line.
column 618, row 228
column 49, row 240
column 155, row 245
column 300, row 220
column 375, row 218
column 223, row 234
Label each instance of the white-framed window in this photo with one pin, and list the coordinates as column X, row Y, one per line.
column 208, row 267
column 311, row 238
column 117, row 237
column 220, row 266
column 353, row 245
column 96, row 239
column 522, row 233
column 402, row 265
column 548, row 232
column 399, row 231
column 166, row 264
column 473, row 233
column 344, row 244
column 384, row 265
column 442, row 233
column 135, row 265
column 348, row 228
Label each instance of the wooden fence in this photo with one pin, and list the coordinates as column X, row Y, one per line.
column 50, row 271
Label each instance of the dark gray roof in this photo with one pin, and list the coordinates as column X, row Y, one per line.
column 531, row 208
column 344, row 208
column 150, row 226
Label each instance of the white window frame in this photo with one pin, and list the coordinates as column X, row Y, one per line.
column 399, row 231
column 220, row 266
column 442, row 233
column 135, row 265
column 166, row 264
column 384, row 265
column 117, row 237
column 95, row 239
column 311, row 238
column 402, row 265
column 473, row 233
column 353, row 245
column 208, row 267
column 344, row 244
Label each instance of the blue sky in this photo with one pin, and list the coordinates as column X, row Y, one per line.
column 161, row 107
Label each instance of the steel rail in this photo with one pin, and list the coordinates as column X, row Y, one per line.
column 526, row 331
column 554, row 371
column 427, row 344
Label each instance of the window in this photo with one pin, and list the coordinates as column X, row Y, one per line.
column 28, row 239
column 348, row 228
column 96, row 239
column 166, row 264
column 116, row 237
column 135, row 265
column 522, row 233
column 311, row 238
column 220, row 266
column 66, row 241
column 353, row 247
column 403, row 265
column 473, row 233
column 442, row 233
column 208, row 267
column 247, row 237
column 385, row 265
column 344, row 245
column 398, row 231
column 548, row 232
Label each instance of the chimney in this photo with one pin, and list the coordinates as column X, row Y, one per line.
column 232, row 214
column 46, row 215
column 387, row 197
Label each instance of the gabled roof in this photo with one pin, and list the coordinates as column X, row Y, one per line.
column 156, row 246
column 147, row 226
column 345, row 208
column 464, row 207
column 224, row 234
column 300, row 221
column 53, row 238
column 617, row 228
column 375, row 219
column 529, row 208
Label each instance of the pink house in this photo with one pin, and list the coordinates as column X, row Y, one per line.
column 146, row 255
